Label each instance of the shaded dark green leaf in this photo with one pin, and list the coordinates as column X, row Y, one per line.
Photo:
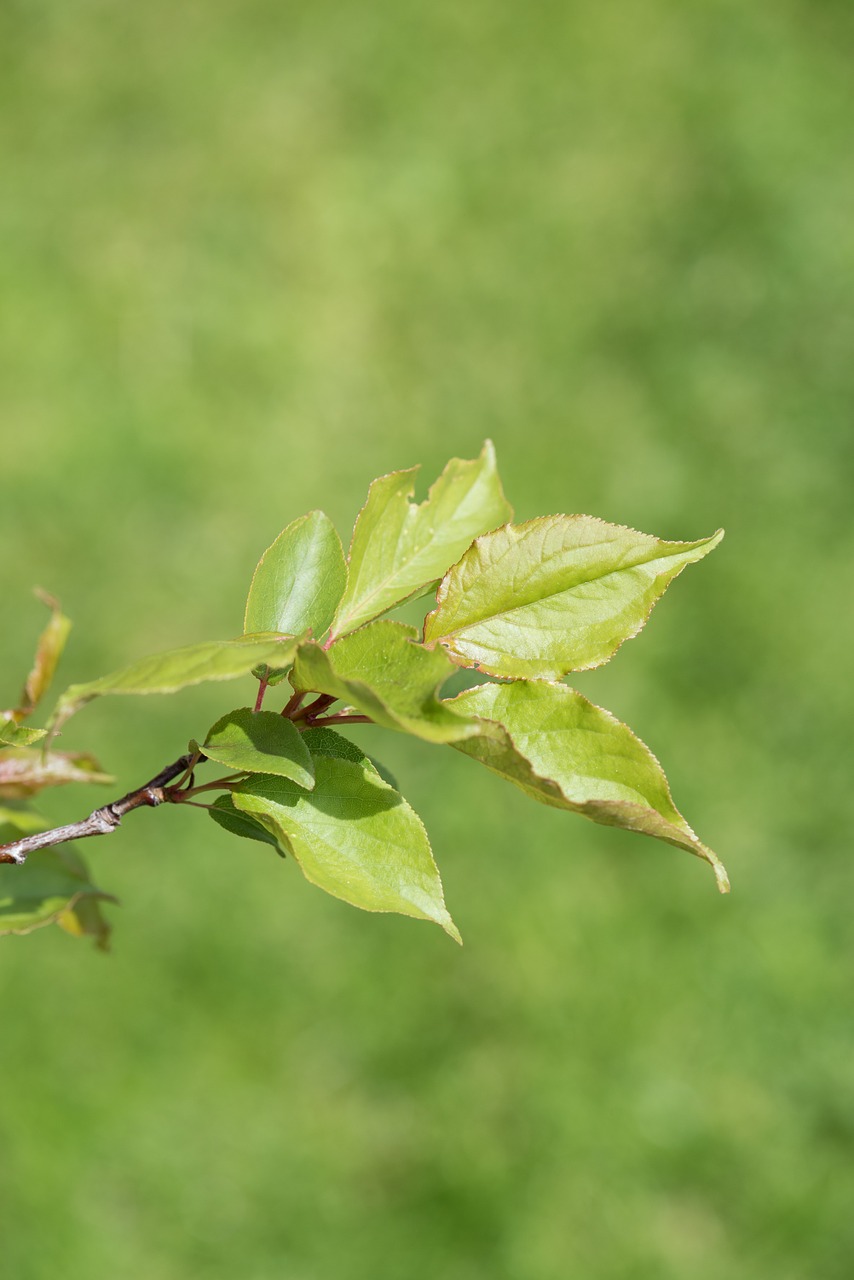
column 260, row 742
column 242, row 824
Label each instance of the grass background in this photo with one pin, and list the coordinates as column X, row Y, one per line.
column 252, row 255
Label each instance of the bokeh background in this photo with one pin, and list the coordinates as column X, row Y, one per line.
column 252, row 255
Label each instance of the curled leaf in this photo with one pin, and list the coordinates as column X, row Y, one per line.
column 48, row 652
column 562, row 750
column 178, row 668
column 25, row 771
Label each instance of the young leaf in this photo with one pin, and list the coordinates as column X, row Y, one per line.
column 52, row 886
column 299, row 580
column 400, row 549
column 558, row 594
column 48, row 652
column 354, row 836
column 178, row 668
column 15, row 735
column 260, row 742
column 564, row 751
column 232, row 820
column 24, row 771
column 384, row 673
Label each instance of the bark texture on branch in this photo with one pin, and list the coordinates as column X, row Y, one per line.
column 103, row 821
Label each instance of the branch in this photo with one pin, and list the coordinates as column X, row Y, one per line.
column 102, row 821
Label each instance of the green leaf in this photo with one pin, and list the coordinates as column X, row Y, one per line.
column 400, row 549
column 326, row 742
column 52, row 886
column 557, row 594
column 260, row 742
column 354, row 836
column 299, row 580
column 24, row 771
column 178, row 668
column 232, row 820
column 15, row 735
column 384, row 673
column 564, row 751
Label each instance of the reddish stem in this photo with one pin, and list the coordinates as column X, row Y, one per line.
column 262, row 689
column 292, row 704
column 342, row 718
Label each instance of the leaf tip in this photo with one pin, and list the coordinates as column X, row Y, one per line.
column 451, row 929
column 721, row 877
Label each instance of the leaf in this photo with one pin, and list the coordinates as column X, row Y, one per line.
column 24, row 771
column 52, row 886
column 384, row 673
column 558, row 594
column 564, row 751
column 399, row 548
column 326, row 742
column 178, row 668
column 15, row 735
column 354, row 836
column 48, row 652
column 260, row 742
column 230, row 819
column 299, row 580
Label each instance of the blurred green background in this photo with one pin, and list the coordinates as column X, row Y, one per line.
column 252, row 255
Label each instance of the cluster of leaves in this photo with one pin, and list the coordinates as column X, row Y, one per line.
column 54, row 885
column 524, row 605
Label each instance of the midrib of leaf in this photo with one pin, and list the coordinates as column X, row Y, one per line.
column 549, row 595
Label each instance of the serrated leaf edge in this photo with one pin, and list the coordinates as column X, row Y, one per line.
column 698, row 848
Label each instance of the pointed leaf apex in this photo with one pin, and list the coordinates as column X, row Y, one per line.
column 451, row 929
column 719, row 869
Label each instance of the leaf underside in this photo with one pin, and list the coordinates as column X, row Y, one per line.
column 24, row 770
column 179, row 668
column 562, row 750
